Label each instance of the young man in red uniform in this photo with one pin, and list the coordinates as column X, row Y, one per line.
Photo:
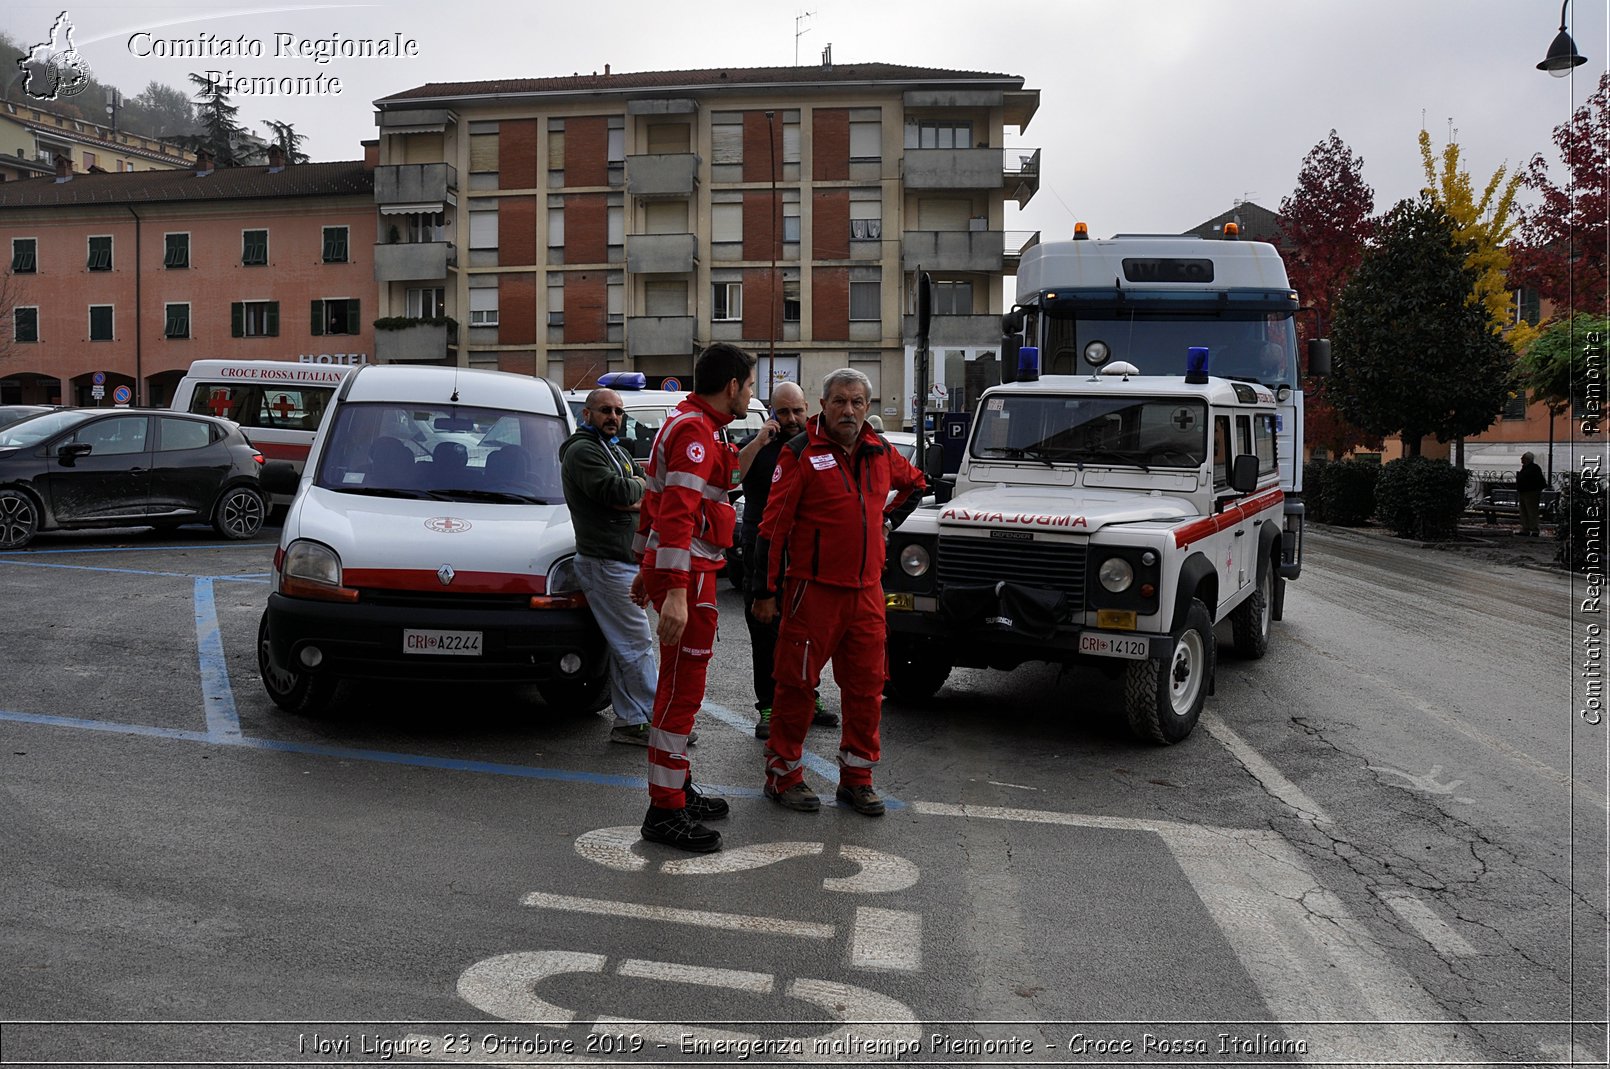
column 826, row 524
column 684, row 528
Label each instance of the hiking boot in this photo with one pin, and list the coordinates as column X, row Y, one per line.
column 630, row 734
column 862, row 799
column 703, row 806
column 763, row 727
column 822, row 718
column 673, row 827
column 798, row 797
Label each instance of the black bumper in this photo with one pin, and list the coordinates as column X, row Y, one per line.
column 987, row 647
column 366, row 641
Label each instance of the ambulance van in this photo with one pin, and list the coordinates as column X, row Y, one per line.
column 278, row 403
column 428, row 539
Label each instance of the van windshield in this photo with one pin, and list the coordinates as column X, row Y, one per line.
column 443, row 452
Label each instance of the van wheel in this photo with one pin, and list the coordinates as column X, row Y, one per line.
column 1163, row 699
column 575, row 695
column 1249, row 623
column 19, row 519
column 917, row 668
column 292, row 691
column 240, row 513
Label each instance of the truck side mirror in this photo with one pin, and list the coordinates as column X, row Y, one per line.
column 943, row 488
column 933, row 462
column 279, row 477
column 1319, row 356
column 1244, row 473
column 1010, row 343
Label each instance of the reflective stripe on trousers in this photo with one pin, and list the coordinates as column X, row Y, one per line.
column 683, row 668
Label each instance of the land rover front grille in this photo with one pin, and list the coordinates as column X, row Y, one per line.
column 1058, row 566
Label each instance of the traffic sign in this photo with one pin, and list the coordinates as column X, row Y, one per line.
column 122, row 395
column 671, row 383
column 99, row 378
column 97, row 392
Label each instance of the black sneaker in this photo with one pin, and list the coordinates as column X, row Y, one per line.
column 703, row 806
column 673, row 828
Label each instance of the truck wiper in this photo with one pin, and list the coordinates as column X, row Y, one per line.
column 378, row 491
column 1030, row 452
column 499, row 496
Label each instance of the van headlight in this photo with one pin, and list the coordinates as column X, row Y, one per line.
column 562, row 577
column 1116, row 574
column 313, row 570
column 914, row 559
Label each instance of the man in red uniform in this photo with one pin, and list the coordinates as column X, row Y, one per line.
column 684, row 528
column 825, row 526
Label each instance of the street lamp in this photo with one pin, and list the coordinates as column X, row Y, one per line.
column 1562, row 54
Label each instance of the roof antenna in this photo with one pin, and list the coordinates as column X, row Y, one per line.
column 454, row 398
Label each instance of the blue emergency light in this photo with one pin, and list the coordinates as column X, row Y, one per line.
column 1028, row 363
column 623, row 380
column 1196, row 365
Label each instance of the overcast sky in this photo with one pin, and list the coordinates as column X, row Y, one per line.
column 1155, row 115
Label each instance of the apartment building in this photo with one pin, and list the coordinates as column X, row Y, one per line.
column 575, row 225
column 133, row 276
column 32, row 136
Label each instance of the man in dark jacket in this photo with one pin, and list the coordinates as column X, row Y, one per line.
column 1529, row 486
column 603, row 488
column 759, row 461
column 829, row 514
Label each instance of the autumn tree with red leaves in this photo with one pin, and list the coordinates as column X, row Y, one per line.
column 1325, row 224
column 1562, row 251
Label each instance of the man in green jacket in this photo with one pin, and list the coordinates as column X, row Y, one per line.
column 603, row 487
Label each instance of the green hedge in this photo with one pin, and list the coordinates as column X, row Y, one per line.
column 1347, row 492
column 1314, row 473
column 1418, row 497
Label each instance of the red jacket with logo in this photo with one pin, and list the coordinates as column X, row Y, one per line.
column 827, row 508
column 686, row 521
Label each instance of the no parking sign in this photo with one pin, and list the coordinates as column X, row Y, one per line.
column 122, row 395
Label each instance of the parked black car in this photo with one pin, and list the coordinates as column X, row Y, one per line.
column 10, row 414
column 85, row 467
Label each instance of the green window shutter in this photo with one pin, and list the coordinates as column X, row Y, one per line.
column 273, row 319
column 352, row 317
column 318, row 318
column 237, row 320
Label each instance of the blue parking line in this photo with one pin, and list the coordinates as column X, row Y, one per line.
column 100, row 568
column 145, row 549
column 217, row 696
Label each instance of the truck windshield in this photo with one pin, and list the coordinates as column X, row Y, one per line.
column 1148, row 433
column 444, row 452
column 1248, row 344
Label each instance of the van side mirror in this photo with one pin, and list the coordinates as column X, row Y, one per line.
column 279, row 477
column 1244, row 474
column 1319, row 356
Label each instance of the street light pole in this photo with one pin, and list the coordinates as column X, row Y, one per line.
column 1562, row 54
column 776, row 209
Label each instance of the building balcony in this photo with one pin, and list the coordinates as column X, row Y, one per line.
column 953, row 250
column 1015, row 170
column 673, row 174
column 1021, row 175
column 421, row 340
column 659, row 336
column 958, row 331
column 661, row 254
column 418, row 261
column 429, row 186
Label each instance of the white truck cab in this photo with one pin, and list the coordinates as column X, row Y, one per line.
column 429, row 539
column 1109, row 518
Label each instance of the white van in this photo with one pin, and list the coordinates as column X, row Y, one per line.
column 429, row 540
column 278, row 403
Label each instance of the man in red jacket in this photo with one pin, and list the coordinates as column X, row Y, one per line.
column 684, row 528
column 823, row 537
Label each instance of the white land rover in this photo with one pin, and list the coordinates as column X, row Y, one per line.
column 1109, row 518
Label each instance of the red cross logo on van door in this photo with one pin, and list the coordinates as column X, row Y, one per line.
column 218, row 401
column 283, row 406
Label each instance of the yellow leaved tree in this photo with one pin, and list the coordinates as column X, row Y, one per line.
column 1484, row 227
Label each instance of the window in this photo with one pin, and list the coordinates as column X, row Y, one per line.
column 1528, row 305
column 726, row 223
column 726, row 138
column 25, row 324
column 174, row 434
column 100, row 254
column 100, row 322
column 556, row 228
column 420, row 227
column 790, row 223
column 427, row 303
column 1263, row 438
column 616, row 221
column 866, row 220
column 790, row 302
column 866, row 140
column 1221, row 451
column 791, row 137
column 727, row 301
column 953, row 298
column 90, row 160
column 941, row 133
column 175, row 250
column 254, row 248
column 254, row 319
column 483, row 307
column 24, row 256
column 176, row 321
column 556, row 300
column 335, row 244
column 1514, row 407
column 484, row 227
column 114, row 437
column 864, row 303
column 336, row 316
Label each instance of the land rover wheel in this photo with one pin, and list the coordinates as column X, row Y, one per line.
column 918, row 667
column 292, row 691
column 239, row 513
column 19, row 519
column 575, row 695
column 1249, row 623
column 1163, row 698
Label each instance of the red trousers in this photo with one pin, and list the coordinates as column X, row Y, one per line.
column 822, row 623
column 681, row 687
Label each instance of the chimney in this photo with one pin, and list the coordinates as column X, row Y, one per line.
column 204, row 160
column 64, row 168
column 606, row 70
column 276, row 159
column 827, row 55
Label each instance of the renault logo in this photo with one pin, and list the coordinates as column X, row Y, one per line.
column 445, row 574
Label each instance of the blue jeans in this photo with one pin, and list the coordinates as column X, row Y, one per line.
column 633, row 676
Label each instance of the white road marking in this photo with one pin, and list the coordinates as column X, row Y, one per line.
column 1419, row 916
column 612, row 848
column 886, row 939
column 736, row 922
column 759, row 983
column 754, row 856
column 1014, row 786
column 505, row 986
column 880, row 873
column 1264, row 772
column 894, row 1021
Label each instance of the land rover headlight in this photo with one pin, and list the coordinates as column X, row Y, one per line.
column 914, row 560
column 1116, row 574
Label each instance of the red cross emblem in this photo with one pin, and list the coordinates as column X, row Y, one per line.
column 218, row 401
column 447, row 525
column 283, row 406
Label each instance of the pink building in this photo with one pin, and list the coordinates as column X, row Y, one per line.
column 136, row 275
